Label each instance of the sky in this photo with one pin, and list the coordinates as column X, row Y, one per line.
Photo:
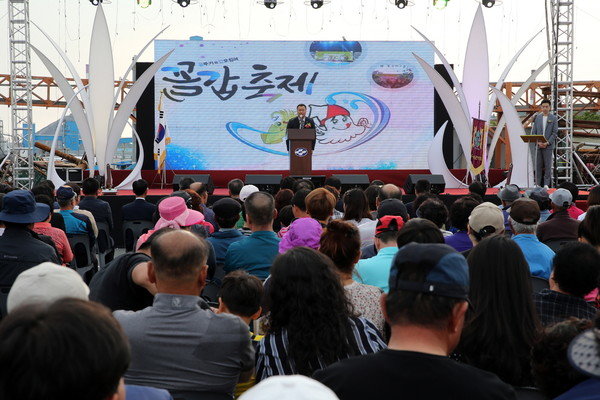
column 509, row 26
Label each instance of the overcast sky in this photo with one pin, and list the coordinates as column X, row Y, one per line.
column 509, row 26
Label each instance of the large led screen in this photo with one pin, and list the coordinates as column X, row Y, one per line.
column 226, row 103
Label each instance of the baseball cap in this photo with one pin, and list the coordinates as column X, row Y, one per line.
column 392, row 207
column 509, row 193
column 65, row 193
column 486, row 215
column 246, row 191
column 227, row 208
column 389, row 223
column 448, row 276
column 561, row 198
column 291, row 387
column 538, row 194
column 175, row 214
column 46, row 283
column 19, row 207
column 584, row 352
column 525, row 211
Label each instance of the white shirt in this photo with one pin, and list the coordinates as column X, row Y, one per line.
column 544, row 123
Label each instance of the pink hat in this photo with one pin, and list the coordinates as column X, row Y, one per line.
column 175, row 214
column 302, row 232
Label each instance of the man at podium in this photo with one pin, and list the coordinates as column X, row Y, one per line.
column 545, row 124
column 301, row 121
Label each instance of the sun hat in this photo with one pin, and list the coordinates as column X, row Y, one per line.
column 19, row 207
column 302, row 232
column 291, row 387
column 175, row 214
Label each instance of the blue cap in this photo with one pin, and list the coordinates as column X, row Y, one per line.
column 448, row 273
column 19, row 207
column 65, row 193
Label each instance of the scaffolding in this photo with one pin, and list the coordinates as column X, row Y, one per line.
column 561, row 43
column 21, row 146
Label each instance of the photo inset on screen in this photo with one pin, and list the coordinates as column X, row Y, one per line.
column 336, row 52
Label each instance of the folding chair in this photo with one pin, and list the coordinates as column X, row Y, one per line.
column 105, row 243
column 132, row 230
column 538, row 284
column 82, row 251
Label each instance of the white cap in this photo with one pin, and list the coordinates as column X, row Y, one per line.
column 246, row 191
column 291, row 387
column 46, row 283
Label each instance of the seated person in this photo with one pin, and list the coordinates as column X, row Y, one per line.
column 227, row 212
column 76, row 224
column 139, row 209
column 575, row 273
column 459, row 217
column 57, row 235
column 559, row 225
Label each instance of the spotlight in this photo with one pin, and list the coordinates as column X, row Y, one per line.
column 401, row 3
column 489, row 3
column 440, row 4
column 183, row 3
column 316, row 4
column 95, row 2
column 270, row 3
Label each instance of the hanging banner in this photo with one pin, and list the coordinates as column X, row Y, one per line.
column 478, row 145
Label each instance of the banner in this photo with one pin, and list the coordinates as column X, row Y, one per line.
column 228, row 103
column 478, row 146
column 161, row 139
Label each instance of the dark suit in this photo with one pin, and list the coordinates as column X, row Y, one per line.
column 294, row 123
column 101, row 211
column 138, row 210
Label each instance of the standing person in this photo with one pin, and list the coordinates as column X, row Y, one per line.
column 545, row 124
column 426, row 306
column 311, row 324
column 301, row 121
column 139, row 209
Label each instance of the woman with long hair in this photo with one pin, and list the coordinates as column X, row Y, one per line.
column 311, row 324
column 341, row 242
column 356, row 211
column 502, row 326
column 592, row 200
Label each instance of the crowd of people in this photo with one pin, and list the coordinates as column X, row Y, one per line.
column 317, row 293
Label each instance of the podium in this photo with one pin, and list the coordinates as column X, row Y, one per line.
column 301, row 143
column 533, row 140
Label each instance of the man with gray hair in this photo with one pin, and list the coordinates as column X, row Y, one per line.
column 524, row 218
column 559, row 226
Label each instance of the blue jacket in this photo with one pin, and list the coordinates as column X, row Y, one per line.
column 538, row 255
column 221, row 241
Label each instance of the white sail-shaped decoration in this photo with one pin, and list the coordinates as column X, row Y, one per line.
column 476, row 71
column 136, row 174
column 438, row 164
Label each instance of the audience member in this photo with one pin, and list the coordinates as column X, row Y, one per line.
column 426, row 306
column 101, row 211
column 246, row 191
column 435, row 211
column 336, row 183
column 523, row 219
column 124, row 283
column 139, row 209
column 459, row 218
column 486, row 220
column 389, row 191
column 552, row 373
column 178, row 343
column 419, row 230
column 299, row 203
column 541, row 196
column 303, row 184
column 77, row 189
column 478, row 188
column 338, row 211
column 371, row 193
column 588, row 231
column 293, row 387
column 592, row 200
column 285, row 217
column 185, row 183
column 45, row 284
column 393, row 207
column 500, row 330
column 422, row 187
column 575, row 273
column 20, row 247
column 311, row 324
column 57, row 220
column 377, row 182
column 584, row 356
column 320, row 204
column 202, row 228
column 573, row 210
column 70, row 350
column 75, row 223
column 559, row 226
column 195, row 201
column 356, row 211
column 240, row 295
column 58, row 236
column 287, row 183
column 507, row 196
column 302, row 232
column 375, row 271
column 283, row 198
column 256, row 252
column 227, row 212
column 202, row 190
column 235, row 186
column 341, row 243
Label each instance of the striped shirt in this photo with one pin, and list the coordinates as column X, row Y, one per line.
column 272, row 358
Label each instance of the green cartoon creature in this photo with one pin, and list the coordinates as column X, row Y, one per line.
column 276, row 132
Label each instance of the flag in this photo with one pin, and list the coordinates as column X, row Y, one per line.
column 478, row 146
column 161, row 139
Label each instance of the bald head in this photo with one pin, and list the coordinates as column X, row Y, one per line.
column 389, row 191
column 260, row 208
column 178, row 256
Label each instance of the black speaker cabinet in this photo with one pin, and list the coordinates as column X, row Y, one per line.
column 438, row 185
column 265, row 183
column 206, row 179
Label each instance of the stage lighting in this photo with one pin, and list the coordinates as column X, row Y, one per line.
column 95, row 2
column 270, row 3
column 440, row 4
column 183, row 3
column 401, row 3
column 316, row 4
column 489, row 3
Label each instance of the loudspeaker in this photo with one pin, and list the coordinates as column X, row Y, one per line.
column 74, row 175
column 265, row 183
column 438, row 185
column 353, row 181
column 206, row 179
